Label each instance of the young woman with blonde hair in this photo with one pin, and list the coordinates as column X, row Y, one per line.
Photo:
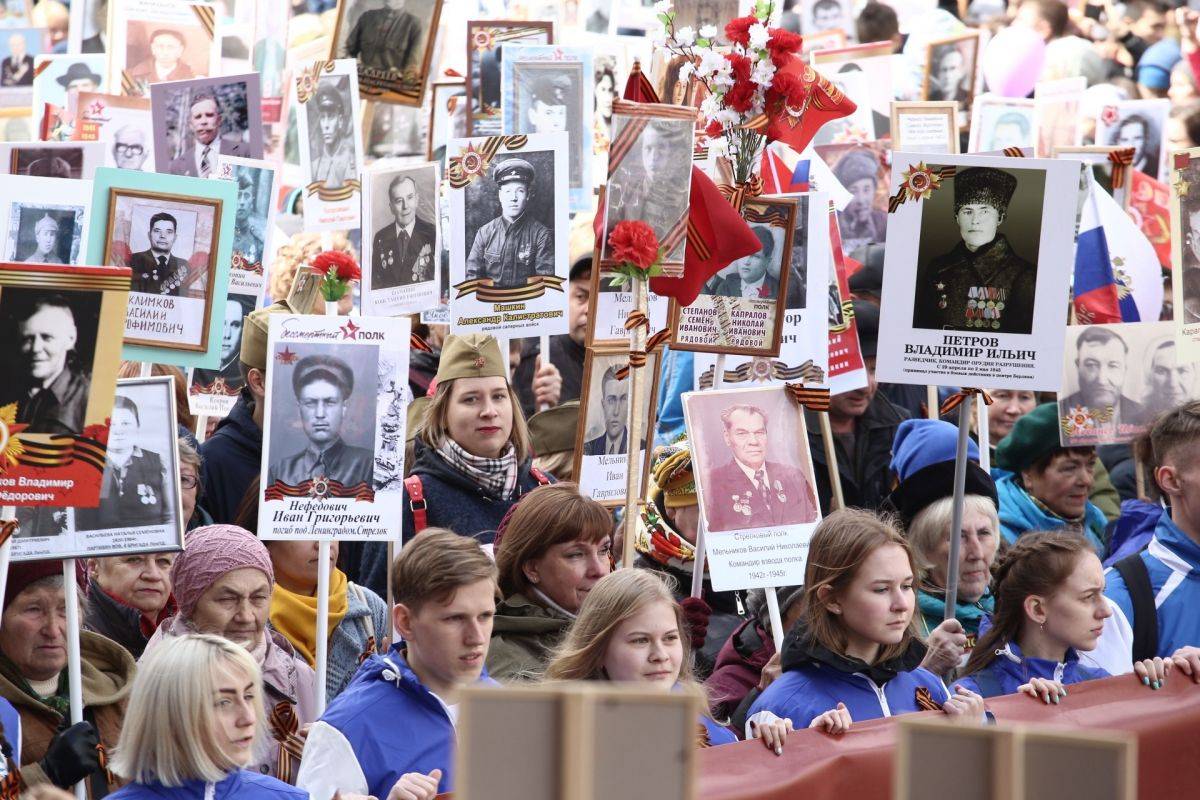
column 631, row 629
column 855, row 653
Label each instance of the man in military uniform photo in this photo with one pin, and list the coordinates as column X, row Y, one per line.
column 387, row 38
column 133, row 490
column 751, row 275
column 648, row 188
column 323, row 386
column 512, row 247
column 402, row 252
column 156, row 271
column 51, row 392
column 982, row 284
column 748, row 491
column 331, row 150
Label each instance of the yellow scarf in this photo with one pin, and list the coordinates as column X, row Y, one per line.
column 295, row 615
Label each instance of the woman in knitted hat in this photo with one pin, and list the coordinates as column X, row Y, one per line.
column 923, row 460
column 223, row 582
column 550, row 550
column 1049, row 485
column 666, row 543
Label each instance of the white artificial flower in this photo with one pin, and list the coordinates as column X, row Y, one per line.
column 718, row 147
column 711, row 63
column 727, row 118
column 764, row 72
column 662, row 7
column 758, row 36
column 685, row 36
column 710, row 106
column 685, row 70
column 708, row 32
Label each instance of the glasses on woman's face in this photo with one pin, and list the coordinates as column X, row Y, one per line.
column 189, row 482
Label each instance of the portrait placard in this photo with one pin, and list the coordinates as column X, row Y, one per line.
column 998, row 123
column 1118, row 378
column 874, row 61
column 393, row 45
column 602, row 437
column 1103, row 162
column 58, row 395
column 819, row 16
column 508, row 246
column 18, row 47
column 649, row 160
column 253, row 221
column 925, row 126
column 741, row 308
column 754, row 479
column 402, row 242
column 214, row 392
column 198, row 121
column 804, row 345
column 392, row 131
column 448, row 108
column 45, row 220
column 950, row 66
column 176, row 235
column 548, row 88
column 977, row 215
column 59, row 79
column 333, row 455
column 847, row 366
column 1185, row 249
column 865, row 171
column 1056, row 114
column 152, row 42
column 486, row 40
column 73, row 160
column 122, row 124
column 327, row 116
column 140, row 507
column 1142, row 125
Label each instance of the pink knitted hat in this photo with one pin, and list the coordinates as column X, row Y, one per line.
column 210, row 552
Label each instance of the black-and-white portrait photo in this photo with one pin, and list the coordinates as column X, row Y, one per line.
column 404, row 210
column 251, row 220
column 797, row 285
column 1140, row 129
column 447, row 117
column 44, row 234
column 392, row 41
column 950, row 70
column 510, row 220
column 548, row 97
column 331, row 132
column 613, row 438
column 978, row 252
column 863, row 170
column 486, row 40
column 394, row 130
column 826, row 15
column 198, row 121
column 323, row 419
column 140, row 474
column 237, row 306
column 46, row 162
column 130, row 147
column 1102, row 360
column 696, row 14
column 52, row 336
column 645, row 185
column 754, row 276
column 156, row 269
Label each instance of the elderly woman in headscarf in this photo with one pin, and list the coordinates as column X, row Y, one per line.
column 666, row 543
column 223, row 582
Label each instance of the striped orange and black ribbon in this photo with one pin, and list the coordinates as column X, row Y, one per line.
column 359, row 491
column 344, row 192
column 535, row 286
column 738, row 193
column 285, row 727
column 60, row 451
column 956, row 399
column 897, row 200
column 812, row 399
column 415, row 342
column 808, row 372
column 637, row 357
column 1121, row 160
column 457, row 174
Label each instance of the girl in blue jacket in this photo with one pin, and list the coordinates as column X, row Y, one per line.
column 855, row 654
column 194, row 715
column 1050, row 605
column 630, row 628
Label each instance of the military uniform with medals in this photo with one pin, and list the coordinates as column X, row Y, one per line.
column 511, row 252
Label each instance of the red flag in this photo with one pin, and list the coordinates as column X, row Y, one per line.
column 638, row 87
column 826, row 103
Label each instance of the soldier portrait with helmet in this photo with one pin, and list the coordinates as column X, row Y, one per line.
column 515, row 245
column 986, row 281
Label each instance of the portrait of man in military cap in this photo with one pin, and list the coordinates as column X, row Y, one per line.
column 403, row 247
column 984, row 282
column 549, row 99
column 323, row 385
column 514, row 245
column 330, row 133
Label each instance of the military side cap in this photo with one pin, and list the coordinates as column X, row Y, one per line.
column 1034, row 436
column 254, row 335
column 983, row 186
column 323, row 368
column 474, row 355
column 513, row 169
column 671, row 469
column 553, row 430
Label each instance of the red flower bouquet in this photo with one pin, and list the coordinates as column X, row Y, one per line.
column 634, row 246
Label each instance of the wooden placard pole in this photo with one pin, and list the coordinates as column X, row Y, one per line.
column 544, row 347
column 633, row 452
column 835, row 480
column 960, row 486
column 931, row 402
column 323, row 622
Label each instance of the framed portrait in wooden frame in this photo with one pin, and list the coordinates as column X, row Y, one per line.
column 448, row 109
column 485, row 41
column 925, row 126
column 950, row 67
column 394, row 48
column 741, row 309
column 1102, row 159
column 602, row 436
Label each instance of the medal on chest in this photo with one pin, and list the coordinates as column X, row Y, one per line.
column 985, row 306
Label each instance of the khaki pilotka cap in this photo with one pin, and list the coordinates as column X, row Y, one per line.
column 474, row 355
column 553, row 430
column 254, row 334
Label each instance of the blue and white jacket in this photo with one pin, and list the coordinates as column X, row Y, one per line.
column 1173, row 561
column 1010, row 670
column 240, row 785
column 815, row 680
column 383, row 725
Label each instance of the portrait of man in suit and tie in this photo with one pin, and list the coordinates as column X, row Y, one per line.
column 751, row 276
column 746, row 489
column 202, row 140
column 402, row 251
column 614, row 402
column 156, row 270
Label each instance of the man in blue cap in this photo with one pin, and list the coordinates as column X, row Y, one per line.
column 512, row 247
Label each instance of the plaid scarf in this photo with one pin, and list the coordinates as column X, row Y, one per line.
column 496, row 476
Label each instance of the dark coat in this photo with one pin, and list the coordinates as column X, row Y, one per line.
column 524, row 635
column 731, row 286
column 989, row 290
column 595, row 447
column 384, row 39
column 866, row 480
column 139, row 497
column 149, row 279
column 232, row 459
column 185, row 162
column 114, row 620
column 790, row 498
column 59, row 408
column 391, row 264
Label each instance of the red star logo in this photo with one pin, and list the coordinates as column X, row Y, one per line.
column 285, row 356
column 349, row 330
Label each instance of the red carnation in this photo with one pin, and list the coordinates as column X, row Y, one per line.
column 782, row 46
column 634, row 242
column 343, row 265
column 740, row 66
column 714, row 129
column 98, row 432
column 740, row 97
column 788, row 89
column 738, row 30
